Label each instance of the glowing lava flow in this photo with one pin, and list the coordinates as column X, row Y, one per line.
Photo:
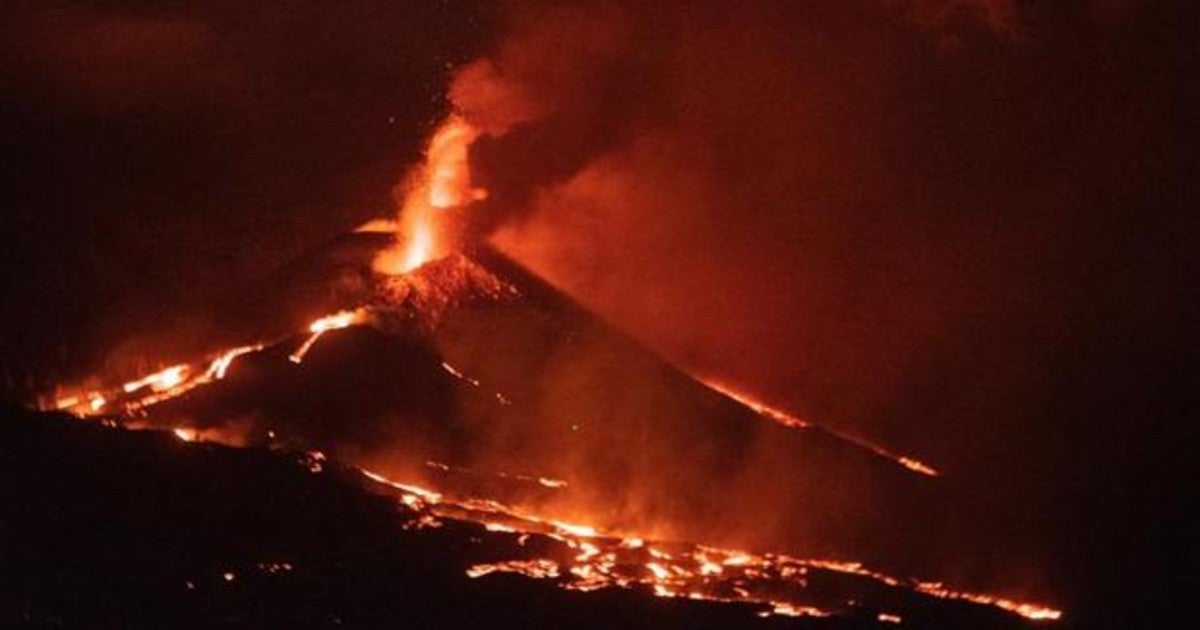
column 587, row 560
column 473, row 382
column 159, row 381
column 337, row 321
column 548, row 482
column 153, row 388
column 218, row 368
column 576, row 555
column 440, row 184
column 788, row 420
column 176, row 380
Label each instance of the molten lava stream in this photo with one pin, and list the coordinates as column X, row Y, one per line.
column 440, row 185
column 788, row 420
column 584, row 559
column 337, row 321
column 588, row 560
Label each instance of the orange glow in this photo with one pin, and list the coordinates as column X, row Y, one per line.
column 761, row 408
column 594, row 559
column 790, row 610
column 531, row 568
column 547, row 482
column 378, row 226
column 605, row 560
column 582, row 531
column 775, row 582
column 334, row 322
column 428, row 496
column 159, row 381
column 442, row 183
column 154, row 388
column 789, row 420
column 447, row 165
column 220, row 365
column 323, row 325
column 1029, row 611
column 66, row 402
column 914, row 465
column 420, row 246
column 450, row 369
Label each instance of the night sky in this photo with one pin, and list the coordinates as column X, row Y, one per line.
column 963, row 229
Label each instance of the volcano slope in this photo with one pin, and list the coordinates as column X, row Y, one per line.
column 477, row 395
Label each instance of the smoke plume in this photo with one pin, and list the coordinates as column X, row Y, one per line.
column 905, row 220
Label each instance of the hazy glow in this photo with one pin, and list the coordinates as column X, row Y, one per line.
column 440, row 184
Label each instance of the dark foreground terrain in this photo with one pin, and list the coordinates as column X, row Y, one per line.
column 105, row 528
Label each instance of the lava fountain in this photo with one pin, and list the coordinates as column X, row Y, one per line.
column 439, row 186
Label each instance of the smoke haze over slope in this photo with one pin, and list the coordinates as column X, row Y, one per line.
column 958, row 228
column 952, row 227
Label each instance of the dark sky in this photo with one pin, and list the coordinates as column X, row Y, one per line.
column 959, row 228
column 157, row 154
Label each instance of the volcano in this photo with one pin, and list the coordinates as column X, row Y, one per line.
column 469, row 415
